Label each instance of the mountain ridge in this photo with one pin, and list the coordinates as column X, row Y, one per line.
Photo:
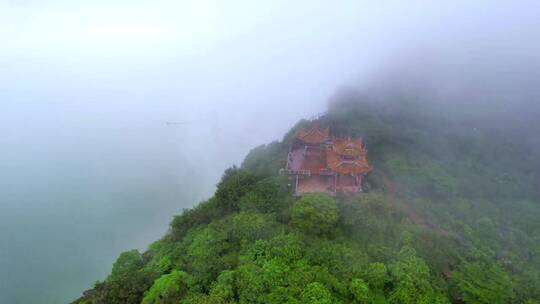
column 449, row 216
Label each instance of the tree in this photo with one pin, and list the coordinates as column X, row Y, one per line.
column 265, row 160
column 316, row 293
column 486, row 232
column 479, row 283
column 129, row 279
column 234, row 184
column 223, row 289
column 127, row 262
column 251, row 284
column 371, row 217
column 412, row 280
column 268, row 195
column 315, row 213
column 250, row 226
column 202, row 214
column 169, row 288
column 207, row 253
column 376, row 275
column 360, row 290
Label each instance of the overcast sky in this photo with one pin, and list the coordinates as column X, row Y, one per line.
column 182, row 60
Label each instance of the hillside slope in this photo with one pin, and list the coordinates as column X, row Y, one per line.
column 450, row 215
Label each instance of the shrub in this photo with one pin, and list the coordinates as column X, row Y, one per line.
column 376, row 275
column 479, row 283
column 316, row 293
column 268, row 195
column 128, row 280
column 234, row 184
column 359, row 290
column 315, row 213
column 169, row 288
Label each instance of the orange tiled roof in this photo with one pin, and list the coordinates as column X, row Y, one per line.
column 313, row 135
column 340, row 165
column 349, row 147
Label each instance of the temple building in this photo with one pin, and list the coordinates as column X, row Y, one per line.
column 319, row 162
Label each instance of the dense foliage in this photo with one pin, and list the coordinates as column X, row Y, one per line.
column 450, row 216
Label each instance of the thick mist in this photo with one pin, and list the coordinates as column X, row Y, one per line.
column 116, row 115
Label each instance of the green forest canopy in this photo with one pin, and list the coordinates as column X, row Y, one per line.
column 450, row 215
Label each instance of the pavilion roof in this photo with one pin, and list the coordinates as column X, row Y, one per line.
column 313, row 135
column 340, row 165
column 349, row 147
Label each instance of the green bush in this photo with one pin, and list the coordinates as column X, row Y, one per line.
column 315, row 213
column 265, row 160
column 129, row 279
column 168, row 289
column 234, row 184
column 479, row 283
column 376, row 275
column 316, row 293
column 412, row 280
column 360, row 291
column 268, row 195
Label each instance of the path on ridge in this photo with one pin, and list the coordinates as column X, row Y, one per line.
column 405, row 205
